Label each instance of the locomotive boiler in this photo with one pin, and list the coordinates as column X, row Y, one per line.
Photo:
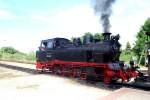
column 88, row 59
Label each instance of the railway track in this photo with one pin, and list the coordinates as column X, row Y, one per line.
column 19, row 68
column 141, row 83
column 136, row 85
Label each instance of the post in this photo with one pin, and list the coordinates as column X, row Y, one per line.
column 149, row 69
column 148, row 57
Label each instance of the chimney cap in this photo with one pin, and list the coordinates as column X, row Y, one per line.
column 106, row 33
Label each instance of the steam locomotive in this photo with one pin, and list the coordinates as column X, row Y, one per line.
column 87, row 60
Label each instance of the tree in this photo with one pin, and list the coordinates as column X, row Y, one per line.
column 94, row 38
column 128, row 48
column 98, row 37
column 141, row 39
column 72, row 38
column 87, row 34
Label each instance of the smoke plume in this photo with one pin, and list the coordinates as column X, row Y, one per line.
column 103, row 8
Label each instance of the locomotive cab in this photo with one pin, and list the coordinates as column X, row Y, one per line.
column 45, row 47
column 54, row 43
column 49, row 47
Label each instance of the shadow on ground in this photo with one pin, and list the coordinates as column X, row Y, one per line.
column 100, row 85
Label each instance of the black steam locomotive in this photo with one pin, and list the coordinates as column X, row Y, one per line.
column 88, row 60
column 90, row 50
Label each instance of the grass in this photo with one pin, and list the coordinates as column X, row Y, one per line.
column 20, row 57
column 127, row 56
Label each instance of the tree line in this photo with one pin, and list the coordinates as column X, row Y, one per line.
column 96, row 36
column 141, row 40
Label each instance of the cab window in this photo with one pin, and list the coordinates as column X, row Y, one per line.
column 50, row 44
column 47, row 44
column 44, row 44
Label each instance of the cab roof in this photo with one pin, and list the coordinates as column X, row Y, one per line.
column 57, row 38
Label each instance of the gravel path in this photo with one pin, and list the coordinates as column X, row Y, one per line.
column 20, row 85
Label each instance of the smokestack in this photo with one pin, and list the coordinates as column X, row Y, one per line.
column 103, row 8
column 106, row 36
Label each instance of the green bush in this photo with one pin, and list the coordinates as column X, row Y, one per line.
column 126, row 56
column 10, row 50
column 0, row 55
column 11, row 54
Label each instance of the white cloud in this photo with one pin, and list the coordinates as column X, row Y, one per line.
column 40, row 18
column 128, row 17
column 24, row 44
column 68, row 23
column 74, row 22
column 5, row 15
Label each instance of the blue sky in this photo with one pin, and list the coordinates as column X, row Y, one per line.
column 23, row 23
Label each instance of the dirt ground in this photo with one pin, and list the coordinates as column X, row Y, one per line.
column 8, row 73
column 20, row 85
column 23, row 83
